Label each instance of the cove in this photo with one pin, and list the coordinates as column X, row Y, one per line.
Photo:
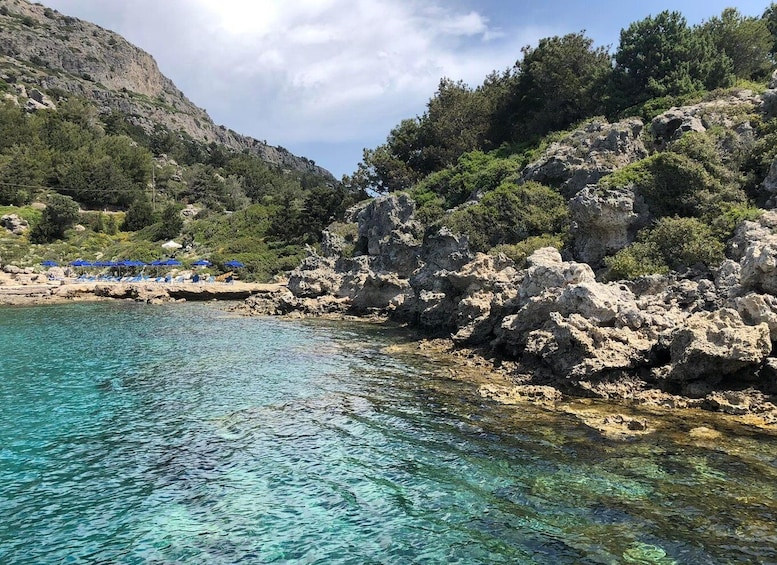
column 186, row 434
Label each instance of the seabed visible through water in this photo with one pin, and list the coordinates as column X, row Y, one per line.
column 183, row 433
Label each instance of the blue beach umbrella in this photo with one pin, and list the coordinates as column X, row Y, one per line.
column 201, row 263
column 234, row 264
column 81, row 263
column 49, row 263
column 172, row 263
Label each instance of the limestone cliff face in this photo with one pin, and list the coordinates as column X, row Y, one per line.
column 43, row 49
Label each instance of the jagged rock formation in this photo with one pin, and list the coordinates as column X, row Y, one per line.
column 679, row 336
column 605, row 221
column 14, row 224
column 587, row 154
column 707, row 336
column 43, row 51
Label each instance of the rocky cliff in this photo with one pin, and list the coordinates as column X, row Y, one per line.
column 702, row 338
column 45, row 55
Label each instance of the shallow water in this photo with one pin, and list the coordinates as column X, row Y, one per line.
column 185, row 434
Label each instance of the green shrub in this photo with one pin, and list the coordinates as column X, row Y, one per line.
column 730, row 216
column 637, row 260
column 671, row 244
column 510, row 214
column 474, row 172
column 673, row 183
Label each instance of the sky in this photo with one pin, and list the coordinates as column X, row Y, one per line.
column 327, row 78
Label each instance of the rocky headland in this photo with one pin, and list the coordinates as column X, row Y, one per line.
column 703, row 338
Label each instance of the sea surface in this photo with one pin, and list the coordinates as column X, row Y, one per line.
column 187, row 434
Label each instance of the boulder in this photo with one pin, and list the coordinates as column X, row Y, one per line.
column 574, row 348
column 605, row 220
column 728, row 278
column 597, row 302
column 759, row 265
column 436, row 310
column 758, row 309
column 474, row 322
column 547, row 270
column 483, row 272
column 714, row 345
column 441, row 254
column 675, row 122
column 587, row 154
column 388, row 229
column 40, row 98
column 378, row 290
column 314, row 277
column 14, row 224
column 727, row 112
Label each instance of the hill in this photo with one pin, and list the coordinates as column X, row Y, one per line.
column 102, row 157
column 58, row 55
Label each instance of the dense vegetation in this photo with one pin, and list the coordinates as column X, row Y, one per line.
column 131, row 186
column 461, row 159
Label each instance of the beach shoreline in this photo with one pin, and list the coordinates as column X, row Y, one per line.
column 28, row 289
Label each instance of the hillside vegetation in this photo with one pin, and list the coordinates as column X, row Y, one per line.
column 122, row 161
column 466, row 160
column 119, row 179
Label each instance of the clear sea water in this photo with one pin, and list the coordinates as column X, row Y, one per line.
column 186, row 434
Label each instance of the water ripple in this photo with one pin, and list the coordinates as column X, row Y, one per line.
column 184, row 434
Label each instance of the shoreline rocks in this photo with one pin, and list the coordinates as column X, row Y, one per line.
column 662, row 339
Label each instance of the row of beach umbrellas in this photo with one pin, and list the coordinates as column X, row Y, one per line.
column 135, row 263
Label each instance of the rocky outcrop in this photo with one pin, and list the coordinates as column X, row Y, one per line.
column 714, row 345
column 705, row 336
column 587, row 154
column 14, row 224
column 754, row 245
column 389, row 233
column 730, row 112
column 605, row 221
column 563, row 327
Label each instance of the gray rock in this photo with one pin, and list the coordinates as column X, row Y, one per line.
column 587, row 154
column 714, row 345
column 388, row 229
column 605, row 221
column 14, row 224
column 758, row 309
column 575, row 348
column 314, row 277
column 675, row 122
column 728, row 278
column 547, row 270
column 725, row 112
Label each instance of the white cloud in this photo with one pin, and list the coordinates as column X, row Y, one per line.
column 310, row 70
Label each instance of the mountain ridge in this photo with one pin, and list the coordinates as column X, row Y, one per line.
column 61, row 55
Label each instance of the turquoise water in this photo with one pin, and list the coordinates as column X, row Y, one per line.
column 185, row 434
